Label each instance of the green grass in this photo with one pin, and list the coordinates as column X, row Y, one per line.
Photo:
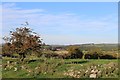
column 55, row 67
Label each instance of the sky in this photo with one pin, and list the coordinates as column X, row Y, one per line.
column 64, row 22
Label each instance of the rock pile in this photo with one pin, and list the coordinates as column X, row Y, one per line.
column 94, row 71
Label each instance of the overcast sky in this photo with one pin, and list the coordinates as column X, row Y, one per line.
column 64, row 23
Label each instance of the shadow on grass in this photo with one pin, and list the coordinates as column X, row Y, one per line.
column 76, row 62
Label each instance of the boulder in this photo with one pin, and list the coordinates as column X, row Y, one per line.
column 93, row 76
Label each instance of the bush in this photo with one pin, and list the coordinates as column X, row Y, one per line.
column 106, row 56
column 51, row 55
column 96, row 53
column 109, row 55
column 74, row 52
column 91, row 56
column 93, row 53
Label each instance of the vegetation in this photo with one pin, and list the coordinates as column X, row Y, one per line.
column 93, row 53
column 60, row 68
column 54, row 61
column 74, row 52
column 22, row 41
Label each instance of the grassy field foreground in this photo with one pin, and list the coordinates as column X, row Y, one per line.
column 60, row 68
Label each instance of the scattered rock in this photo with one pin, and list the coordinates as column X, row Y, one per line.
column 8, row 62
column 5, row 68
column 78, row 72
column 15, row 69
column 92, row 71
column 93, row 76
column 15, row 63
column 10, row 67
column 96, row 71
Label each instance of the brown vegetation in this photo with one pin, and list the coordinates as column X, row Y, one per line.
column 22, row 41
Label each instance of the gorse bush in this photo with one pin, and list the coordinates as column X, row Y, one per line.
column 101, row 56
column 74, row 52
column 109, row 55
column 93, row 53
column 97, row 53
column 91, row 56
column 51, row 55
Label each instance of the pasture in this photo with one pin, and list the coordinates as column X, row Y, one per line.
column 60, row 68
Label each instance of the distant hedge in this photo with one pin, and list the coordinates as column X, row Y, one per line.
column 109, row 55
column 101, row 56
column 75, row 53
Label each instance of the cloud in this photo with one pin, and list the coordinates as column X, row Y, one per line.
column 11, row 12
column 63, row 25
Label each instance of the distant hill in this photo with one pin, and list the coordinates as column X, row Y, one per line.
column 102, row 46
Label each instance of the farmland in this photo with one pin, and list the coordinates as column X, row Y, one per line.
column 57, row 68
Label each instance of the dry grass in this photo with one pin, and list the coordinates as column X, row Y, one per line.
column 61, row 52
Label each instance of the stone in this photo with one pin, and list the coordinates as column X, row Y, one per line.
column 44, row 72
column 96, row 71
column 78, row 72
column 8, row 62
column 15, row 69
column 22, row 67
column 71, row 74
column 93, row 76
column 10, row 67
column 95, row 67
column 93, row 71
column 36, row 68
column 5, row 69
column 29, row 71
column 15, row 63
column 86, row 71
column 78, row 76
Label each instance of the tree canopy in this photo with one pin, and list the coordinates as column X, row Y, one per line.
column 22, row 41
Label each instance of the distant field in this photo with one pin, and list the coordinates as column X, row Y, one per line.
column 61, row 52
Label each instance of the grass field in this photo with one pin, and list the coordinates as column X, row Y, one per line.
column 59, row 68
